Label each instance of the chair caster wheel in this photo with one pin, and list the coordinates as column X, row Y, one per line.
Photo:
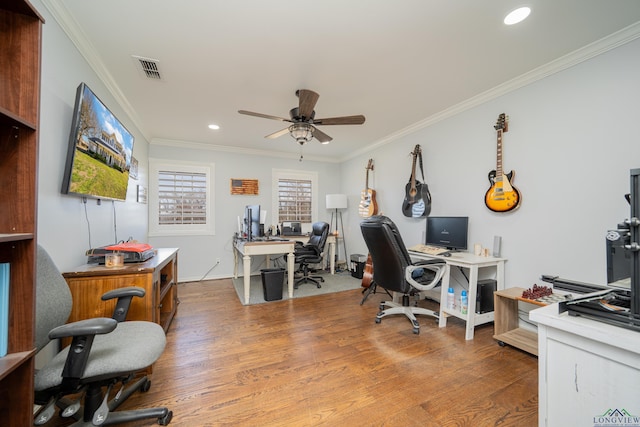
column 378, row 320
column 501, row 343
column 416, row 331
column 146, row 386
column 164, row 421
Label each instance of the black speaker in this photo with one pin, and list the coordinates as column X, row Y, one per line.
column 484, row 297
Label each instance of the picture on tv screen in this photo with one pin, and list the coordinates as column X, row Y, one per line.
column 99, row 153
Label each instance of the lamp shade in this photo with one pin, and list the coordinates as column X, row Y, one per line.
column 336, row 201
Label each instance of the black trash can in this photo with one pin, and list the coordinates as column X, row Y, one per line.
column 272, row 281
column 358, row 262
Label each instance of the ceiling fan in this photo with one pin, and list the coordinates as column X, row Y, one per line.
column 303, row 120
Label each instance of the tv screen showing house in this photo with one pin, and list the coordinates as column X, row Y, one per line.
column 99, row 151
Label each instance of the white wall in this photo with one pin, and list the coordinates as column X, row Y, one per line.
column 63, row 228
column 198, row 253
column 572, row 139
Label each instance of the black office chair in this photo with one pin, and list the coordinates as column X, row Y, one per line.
column 394, row 270
column 311, row 253
column 103, row 354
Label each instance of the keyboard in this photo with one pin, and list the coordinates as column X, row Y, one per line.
column 429, row 250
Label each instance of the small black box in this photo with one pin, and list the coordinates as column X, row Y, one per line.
column 484, row 297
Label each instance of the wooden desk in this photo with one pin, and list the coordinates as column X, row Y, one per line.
column 473, row 263
column 266, row 247
column 331, row 241
column 158, row 276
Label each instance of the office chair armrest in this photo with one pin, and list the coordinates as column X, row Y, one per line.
column 428, row 262
column 83, row 333
column 438, row 269
column 96, row 326
column 134, row 291
column 124, row 295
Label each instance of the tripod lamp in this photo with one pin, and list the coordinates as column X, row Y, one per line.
column 337, row 202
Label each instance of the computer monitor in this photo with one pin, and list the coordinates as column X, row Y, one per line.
column 252, row 221
column 448, row 232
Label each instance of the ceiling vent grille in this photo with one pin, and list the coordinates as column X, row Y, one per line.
column 149, row 67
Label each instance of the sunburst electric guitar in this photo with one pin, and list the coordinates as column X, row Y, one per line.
column 368, row 204
column 502, row 196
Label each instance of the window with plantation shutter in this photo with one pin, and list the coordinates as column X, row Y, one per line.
column 294, row 200
column 296, row 195
column 180, row 198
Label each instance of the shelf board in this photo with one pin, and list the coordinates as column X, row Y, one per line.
column 11, row 361
column 521, row 338
column 14, row 237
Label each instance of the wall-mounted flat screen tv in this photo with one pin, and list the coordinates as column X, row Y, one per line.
column 99, row 153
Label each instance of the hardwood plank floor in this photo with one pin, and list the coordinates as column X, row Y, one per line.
column 322, row 361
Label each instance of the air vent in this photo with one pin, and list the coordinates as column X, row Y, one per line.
column 149, row 67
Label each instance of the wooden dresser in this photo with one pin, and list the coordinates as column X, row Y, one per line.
column 158, row 276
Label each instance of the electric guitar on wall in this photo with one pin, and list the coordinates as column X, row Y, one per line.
column 368, row 205
column 502, row 196
column 417, row 200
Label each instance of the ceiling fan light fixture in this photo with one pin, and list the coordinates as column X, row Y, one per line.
column 301, row 132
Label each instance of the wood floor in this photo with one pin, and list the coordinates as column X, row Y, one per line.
column 322, row 361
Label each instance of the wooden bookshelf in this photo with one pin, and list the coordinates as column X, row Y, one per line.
column 20, row 38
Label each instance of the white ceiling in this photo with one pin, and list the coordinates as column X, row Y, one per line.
column 402, row 64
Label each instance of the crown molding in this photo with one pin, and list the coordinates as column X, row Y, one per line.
column 578, row 56
column 88, row 51
column 71, row 28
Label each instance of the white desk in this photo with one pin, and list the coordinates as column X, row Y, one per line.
column 268, row 247
column 331, row 241
column 473, row 263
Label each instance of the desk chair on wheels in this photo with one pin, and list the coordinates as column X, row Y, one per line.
column 395, row 271
column 311, row 253
column 104, row 353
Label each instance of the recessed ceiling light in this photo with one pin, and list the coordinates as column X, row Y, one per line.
column 214, row 127
column 517, row 15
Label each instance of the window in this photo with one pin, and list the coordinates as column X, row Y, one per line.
column 180, row 198
column 296, row 195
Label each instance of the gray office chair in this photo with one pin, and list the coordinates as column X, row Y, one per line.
column 394, row 270
column 103, row 354
column 311, row 253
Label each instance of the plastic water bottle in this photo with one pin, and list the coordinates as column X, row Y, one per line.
column 451, row 298
column 464, row 302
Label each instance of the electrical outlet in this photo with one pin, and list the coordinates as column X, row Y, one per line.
column 217, row 260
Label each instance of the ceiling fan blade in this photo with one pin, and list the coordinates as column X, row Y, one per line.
column 307, row 102
column 321, row 136
column 346, row 120
column 278, row 133
column 264, row 116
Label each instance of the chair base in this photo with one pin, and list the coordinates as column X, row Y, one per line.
column 409, row 311
column 85, row 413
column 309, row 279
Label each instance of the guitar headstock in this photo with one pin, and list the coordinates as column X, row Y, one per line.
column 417, row 150
column 370, row 165
column 502, row 123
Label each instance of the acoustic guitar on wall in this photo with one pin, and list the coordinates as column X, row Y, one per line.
column 368, row 204
column 417, row 199
column 502, row 196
